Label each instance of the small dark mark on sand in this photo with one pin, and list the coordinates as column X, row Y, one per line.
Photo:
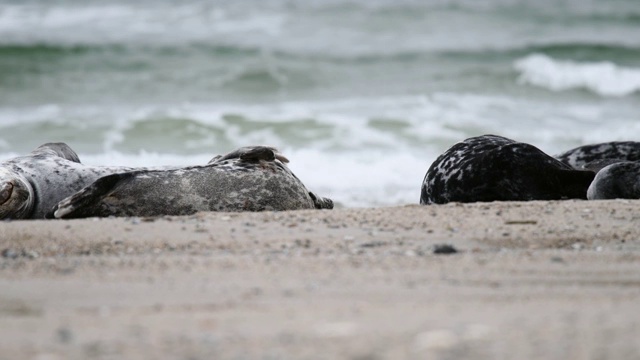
column 10, row 253
column 373, row 244
column 520, row 222
column 444, row 249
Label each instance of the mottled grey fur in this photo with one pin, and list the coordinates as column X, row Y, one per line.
column 31, row 185
column 494, row 168
column 617, row 181
column 247, row 179
column 595, row 155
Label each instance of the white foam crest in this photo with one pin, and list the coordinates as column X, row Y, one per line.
column 603, row 78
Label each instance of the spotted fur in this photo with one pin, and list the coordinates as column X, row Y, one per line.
column 596, row 156
column 31, row 185
column 494, row 168
column 247, row 179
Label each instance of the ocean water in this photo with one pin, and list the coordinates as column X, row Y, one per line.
column 360, row 95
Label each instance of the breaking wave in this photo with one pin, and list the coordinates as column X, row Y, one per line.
column 602, row 78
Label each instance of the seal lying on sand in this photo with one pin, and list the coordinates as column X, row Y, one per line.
column 31, row 185
column 494, row 168
column 596, row 156
column 247, row 179
column 617, row 181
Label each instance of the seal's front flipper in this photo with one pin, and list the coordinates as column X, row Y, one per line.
column 321, row 202
column 86, row 202
column 252, row 154
column 59, row 149
column 215, row 159
column 258, row 153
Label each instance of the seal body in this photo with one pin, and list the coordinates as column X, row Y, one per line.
column 620, row 180
column 597, row 156
column 31, row 185
column 494, row 168
column 247, row 179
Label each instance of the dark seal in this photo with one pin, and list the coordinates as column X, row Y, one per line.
column 31, row 185
column 248, row 179
column 597, row 156
column 494, row 168
column 616, row 181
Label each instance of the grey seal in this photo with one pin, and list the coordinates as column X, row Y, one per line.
column 620, row 180
column 252, row 178
column 597, row 156
column 31, row 185
column 495, row 168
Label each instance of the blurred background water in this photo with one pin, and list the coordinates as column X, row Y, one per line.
column 361, row 95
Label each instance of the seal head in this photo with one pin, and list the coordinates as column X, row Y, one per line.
column 616, row 181
column 16, row 195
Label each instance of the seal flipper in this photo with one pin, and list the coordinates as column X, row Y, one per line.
column 215, row 159
column 59, row 149
column 85, row 203
column 258, row 153
column 321, row 202
column 252, row 154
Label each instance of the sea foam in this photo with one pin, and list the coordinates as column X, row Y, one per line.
column 602, row 78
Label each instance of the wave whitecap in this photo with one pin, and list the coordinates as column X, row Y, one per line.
column 602, row 78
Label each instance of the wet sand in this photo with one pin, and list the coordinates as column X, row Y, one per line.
column 534, row 280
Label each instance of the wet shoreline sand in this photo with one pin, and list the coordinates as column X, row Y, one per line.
column 552, row 280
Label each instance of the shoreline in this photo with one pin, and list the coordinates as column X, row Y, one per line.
column 545, row 279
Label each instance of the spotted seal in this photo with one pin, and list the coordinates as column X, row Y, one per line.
column 31, row 185
column 620, row 180
column 248, row 179
column 494, row 168
column 597, row 156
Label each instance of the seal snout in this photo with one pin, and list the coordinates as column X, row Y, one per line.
column 16, row 196
column 5, row 192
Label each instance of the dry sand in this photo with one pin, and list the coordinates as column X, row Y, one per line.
column 535, row 280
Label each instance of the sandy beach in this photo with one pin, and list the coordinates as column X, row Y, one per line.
column 534, row 280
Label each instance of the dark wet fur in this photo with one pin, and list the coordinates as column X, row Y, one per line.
column 494, row 168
